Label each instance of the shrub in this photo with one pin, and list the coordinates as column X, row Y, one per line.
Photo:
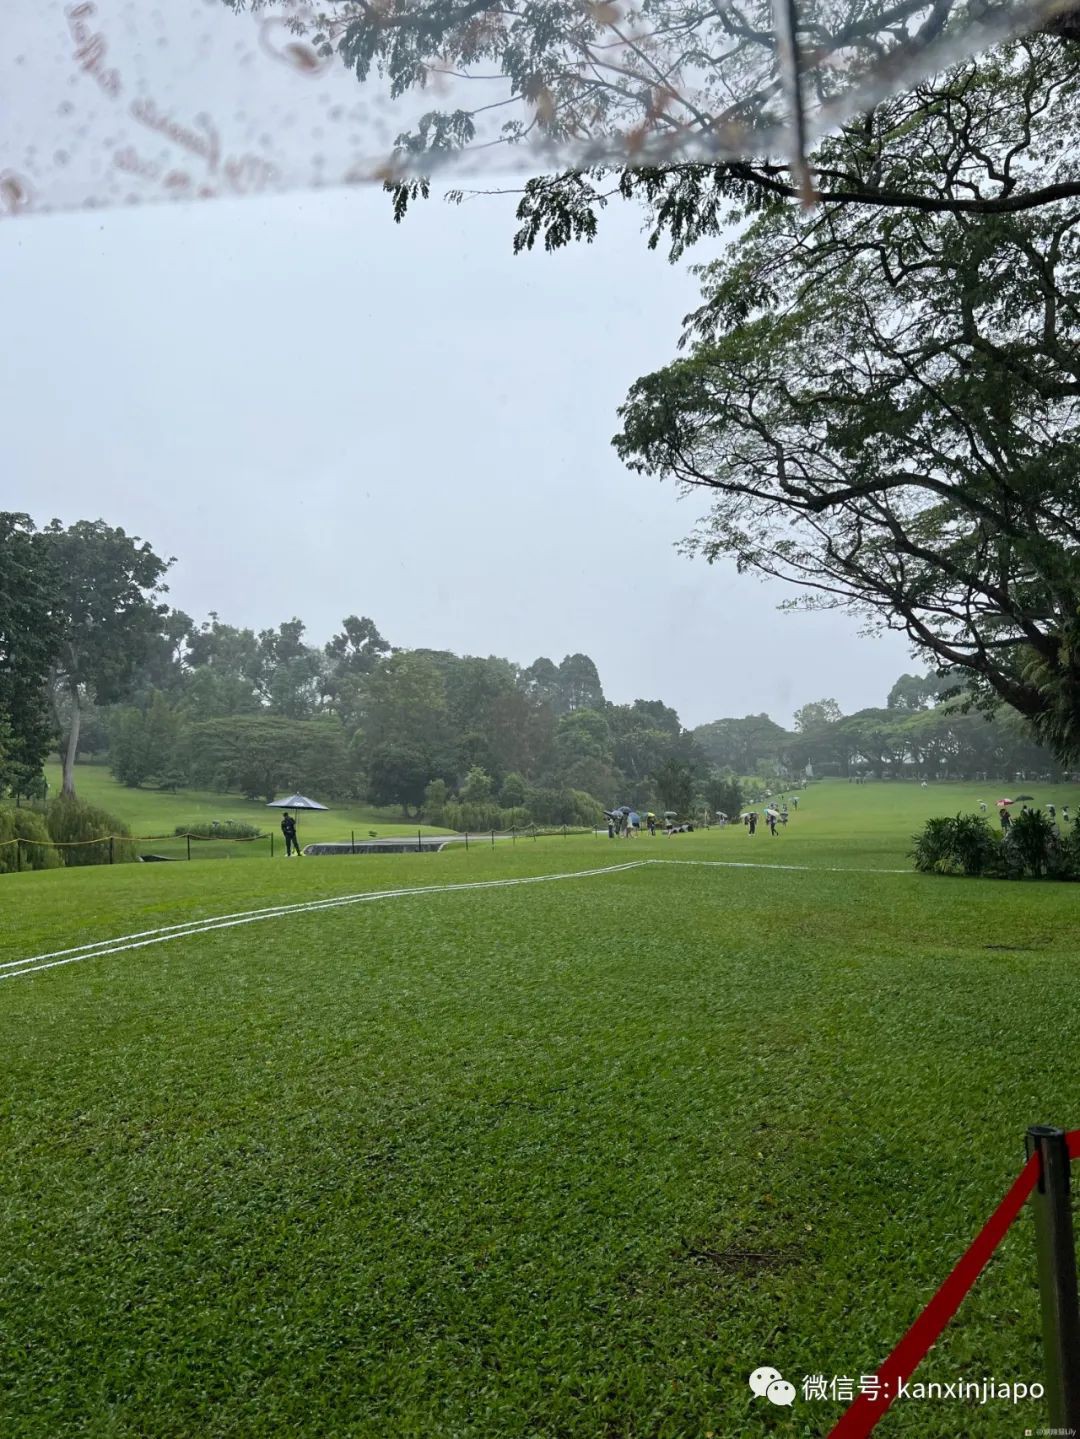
column 464, row 816
column 563, row 806
column 974, row 844
column 967, row 845
column 962, row 845
column 220, row 829
column 37, row 853
column 1032, row 840
column 1067, row 855
column 435, row 799
column 75, row 825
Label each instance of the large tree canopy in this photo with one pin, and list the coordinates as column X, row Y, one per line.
column 881, row 393
column 884, row 413
column 111, row 619
column 679, row 103
column 29, row 639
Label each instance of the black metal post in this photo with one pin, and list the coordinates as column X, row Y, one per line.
column 493, row 839
column 110, row 849
column 1056, row 1255
column 419, row 843
column 18, row 856
column 188, row 838
column 466, row 839
column 352, row 841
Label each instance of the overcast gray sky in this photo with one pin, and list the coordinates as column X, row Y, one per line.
column 320, row 413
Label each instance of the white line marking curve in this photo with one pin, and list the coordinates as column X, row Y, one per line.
column 119, row 944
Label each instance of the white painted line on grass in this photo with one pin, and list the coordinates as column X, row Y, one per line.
column 141, row 939
column 807, row 868
column 35, row 963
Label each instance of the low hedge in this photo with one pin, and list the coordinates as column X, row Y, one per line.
column 220, row 829
column 1032, row 847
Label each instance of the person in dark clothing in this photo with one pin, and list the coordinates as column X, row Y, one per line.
column 1006, row 819
column 288, row 829
column 753, row 822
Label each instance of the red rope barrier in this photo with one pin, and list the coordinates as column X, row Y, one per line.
column 857, row 1421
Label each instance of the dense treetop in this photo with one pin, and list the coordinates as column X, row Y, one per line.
column 466, row 738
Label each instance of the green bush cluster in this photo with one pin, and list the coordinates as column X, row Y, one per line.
column 27, row 825
column 220, row 829
column 475, row 807
column 1032, row 848
column 467, row 816
column 74, row 826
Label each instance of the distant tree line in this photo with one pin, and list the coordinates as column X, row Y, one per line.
column 93, row 662
column 928, row 729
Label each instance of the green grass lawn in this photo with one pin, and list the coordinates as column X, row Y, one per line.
column 157, row 812
column 565, row 1159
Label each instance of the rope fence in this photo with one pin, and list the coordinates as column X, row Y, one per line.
column 1046, row 1174
column 115, row 843
column 186, row 841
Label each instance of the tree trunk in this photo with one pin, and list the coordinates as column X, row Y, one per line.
column 72, row 744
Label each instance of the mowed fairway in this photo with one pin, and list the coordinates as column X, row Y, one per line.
column 559, row 1159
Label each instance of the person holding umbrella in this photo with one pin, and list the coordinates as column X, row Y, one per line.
column 288, row 823
column 288, row 829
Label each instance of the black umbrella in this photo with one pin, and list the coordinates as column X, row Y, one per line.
column 296, row 801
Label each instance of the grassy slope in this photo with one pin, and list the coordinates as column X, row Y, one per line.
column 155, row 812
column 491, row 1164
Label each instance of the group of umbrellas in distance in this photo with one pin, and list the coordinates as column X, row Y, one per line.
column 624, row 816
column 620, row 815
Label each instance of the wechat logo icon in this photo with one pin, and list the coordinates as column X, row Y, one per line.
column 770, row 1384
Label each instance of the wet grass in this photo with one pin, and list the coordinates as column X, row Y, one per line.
column 159, row 812
column 559, row 1160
